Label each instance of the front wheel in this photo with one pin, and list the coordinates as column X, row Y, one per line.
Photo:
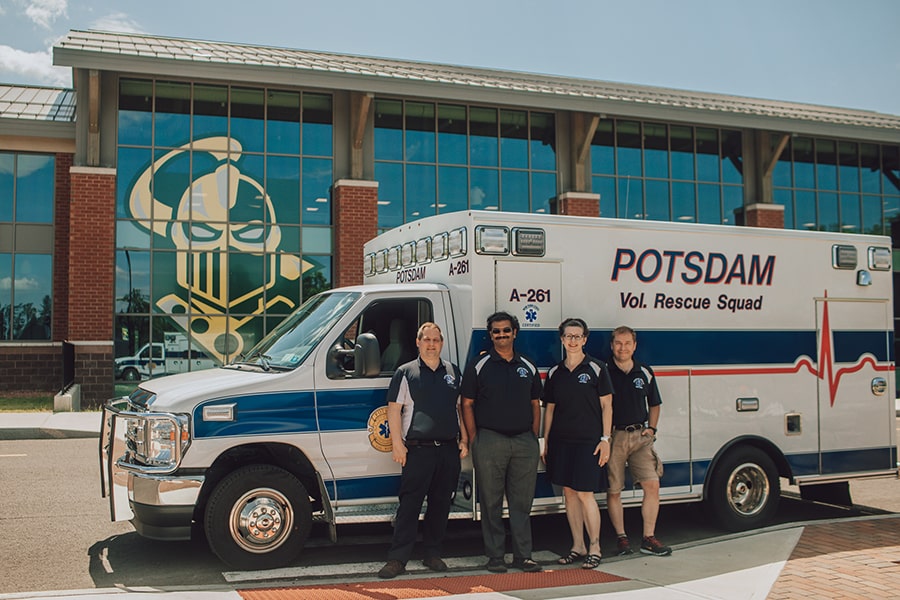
column 258, row 518
column 744, row 489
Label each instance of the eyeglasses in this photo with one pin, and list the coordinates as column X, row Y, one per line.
column 573, row 338
column 496, row 330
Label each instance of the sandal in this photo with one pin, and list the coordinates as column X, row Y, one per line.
column 591, row 561
column 570, row 558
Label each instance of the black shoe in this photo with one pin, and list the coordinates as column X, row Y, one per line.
column 435, row 564
column 526, row 564
column 392, row 569
column 496, row 565
column 623, row 546
column 653, row 546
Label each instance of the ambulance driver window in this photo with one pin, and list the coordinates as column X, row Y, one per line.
column 394, row 324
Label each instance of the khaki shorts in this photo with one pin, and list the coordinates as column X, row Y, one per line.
column 637, row 450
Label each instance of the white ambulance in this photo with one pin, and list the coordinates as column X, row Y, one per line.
column 774, row 352
column 173, row 355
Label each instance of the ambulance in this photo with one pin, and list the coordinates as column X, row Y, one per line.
column 173, row 355
column 773, row 351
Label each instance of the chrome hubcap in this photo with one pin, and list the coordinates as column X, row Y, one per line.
column 261, row 520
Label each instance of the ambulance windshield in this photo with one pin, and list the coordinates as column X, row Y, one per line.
column 288, row 345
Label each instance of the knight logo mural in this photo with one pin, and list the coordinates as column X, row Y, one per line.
column 225, row 233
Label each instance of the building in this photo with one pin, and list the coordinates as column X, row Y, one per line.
column 198, row 191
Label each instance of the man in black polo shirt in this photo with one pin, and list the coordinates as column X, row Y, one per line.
column 501, row 393
column 424, row 418
column 636, row 408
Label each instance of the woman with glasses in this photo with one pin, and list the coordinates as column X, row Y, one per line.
column 577, row 426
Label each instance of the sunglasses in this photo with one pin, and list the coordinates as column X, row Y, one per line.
column 496, row 330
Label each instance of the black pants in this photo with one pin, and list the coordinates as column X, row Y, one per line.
column 431, row 471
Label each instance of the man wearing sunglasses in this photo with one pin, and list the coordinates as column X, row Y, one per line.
column 501, row 392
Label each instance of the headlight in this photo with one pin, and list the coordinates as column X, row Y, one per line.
column 158, row 440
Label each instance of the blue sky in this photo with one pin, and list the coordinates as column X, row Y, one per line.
column 828, row 52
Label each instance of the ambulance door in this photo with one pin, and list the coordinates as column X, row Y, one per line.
column 352, row 409
column 856, row 391
column 532, row 291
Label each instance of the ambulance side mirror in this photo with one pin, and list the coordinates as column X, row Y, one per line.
column 367, row 356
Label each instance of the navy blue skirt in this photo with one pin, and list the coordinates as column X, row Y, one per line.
column 574, row 465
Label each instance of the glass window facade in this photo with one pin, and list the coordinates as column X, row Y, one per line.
column 665, row 172
column 223, row 218
column 435, row 158
column 26, row 285
column 832, row 185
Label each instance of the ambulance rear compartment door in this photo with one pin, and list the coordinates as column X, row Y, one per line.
column 532, row 291
column 856, row 387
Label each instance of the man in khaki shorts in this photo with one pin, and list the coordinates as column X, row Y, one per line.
column 636, row 408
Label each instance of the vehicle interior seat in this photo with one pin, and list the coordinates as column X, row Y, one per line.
column 400, row 346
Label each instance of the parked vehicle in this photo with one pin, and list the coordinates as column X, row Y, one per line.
column 173, row 355
column 773, row 351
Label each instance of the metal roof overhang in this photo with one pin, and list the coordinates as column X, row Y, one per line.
column 274, row 75
column 37, row 128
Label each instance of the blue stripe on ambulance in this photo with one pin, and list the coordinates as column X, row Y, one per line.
column 660, row 348
column 347, row 410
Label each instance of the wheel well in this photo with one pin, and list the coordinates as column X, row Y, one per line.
column 781, row 463
column 285, row 456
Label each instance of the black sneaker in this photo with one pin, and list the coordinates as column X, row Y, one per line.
column 526, row 564
column 435, row 564
column 496, row 565
column 392, row 569
column 653, row 546
column 623, row 546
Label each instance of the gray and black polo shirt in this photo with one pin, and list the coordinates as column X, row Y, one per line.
column 429, row 399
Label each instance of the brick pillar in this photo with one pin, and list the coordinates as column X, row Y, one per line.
column 760, row 215
column 92, row 280
column 577, row 204
column 355, row 223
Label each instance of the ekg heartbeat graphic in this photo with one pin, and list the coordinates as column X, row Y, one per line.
column 825, row 371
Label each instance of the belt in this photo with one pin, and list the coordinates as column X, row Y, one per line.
column 507, row 433
column 430, row 442
column 634, row 427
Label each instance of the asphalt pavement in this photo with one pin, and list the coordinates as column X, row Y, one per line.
column 844, row 558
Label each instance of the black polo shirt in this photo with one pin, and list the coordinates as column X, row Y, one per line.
column 634, row 393
column 577, row 415
column 429, row 399
column 502, row 391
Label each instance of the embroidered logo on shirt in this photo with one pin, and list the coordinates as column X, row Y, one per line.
column 638, row 383
column 450, row 379
column 584, row 378
column 523, row 372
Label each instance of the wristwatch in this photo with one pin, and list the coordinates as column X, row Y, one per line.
column 653, row 428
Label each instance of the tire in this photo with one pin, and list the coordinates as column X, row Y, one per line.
column 130, row 375
column 744, row 489
column 258, row 518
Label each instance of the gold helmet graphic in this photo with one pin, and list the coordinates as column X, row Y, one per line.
column 224, row 215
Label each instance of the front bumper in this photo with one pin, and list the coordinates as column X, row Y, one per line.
column 161, row 506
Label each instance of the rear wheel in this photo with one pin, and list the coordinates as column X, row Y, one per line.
column 744, row 489
column 130, row 375
column 258, row 518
